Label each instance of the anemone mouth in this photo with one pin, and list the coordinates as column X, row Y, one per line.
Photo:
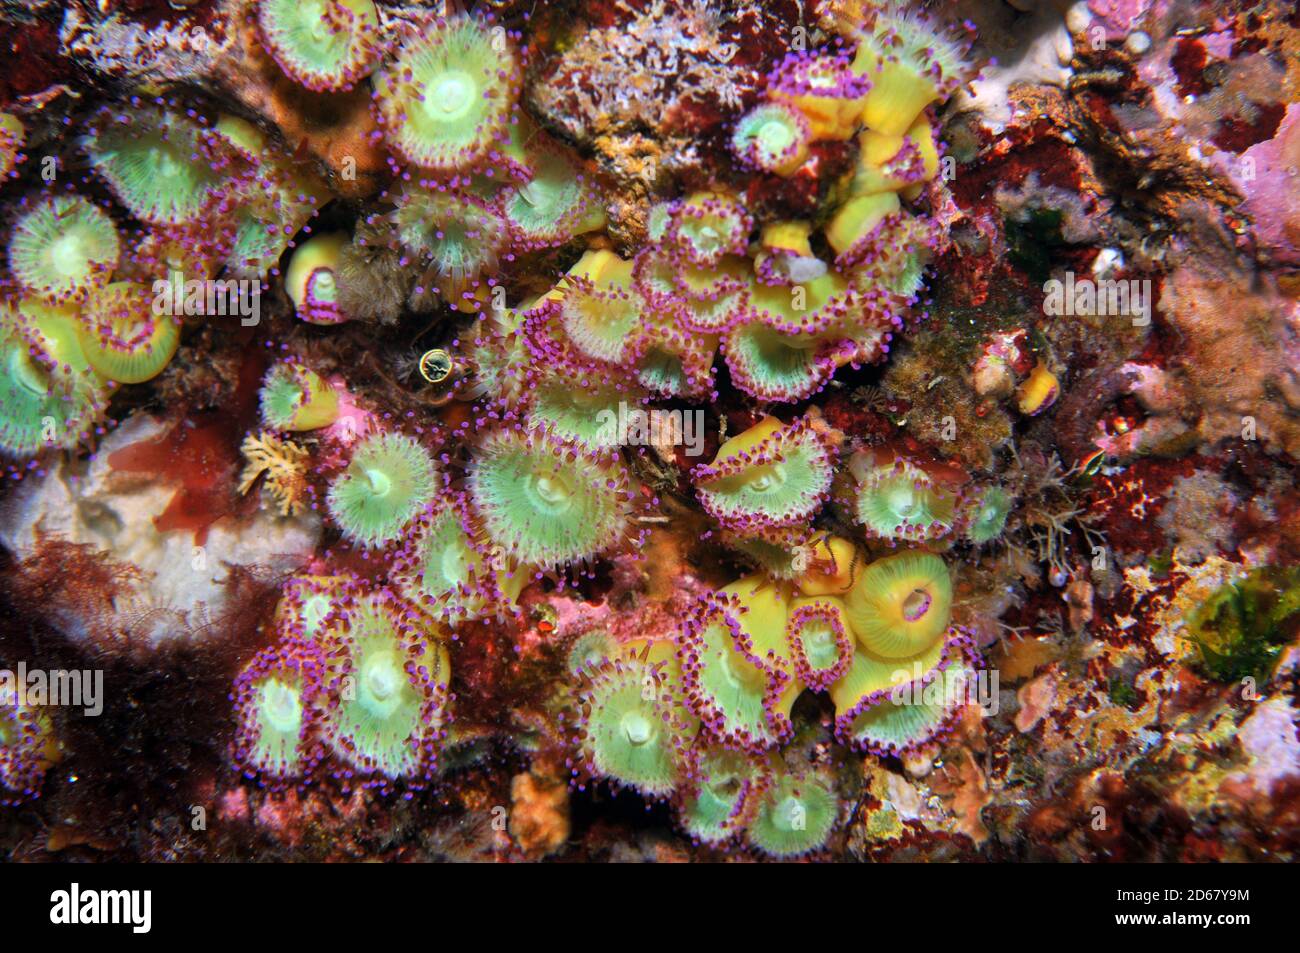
column 551, row 492
column 382, row 681
column 916, row 604
column 638, row 728
column 27, row 373
column 282, row 706
column 448, row 97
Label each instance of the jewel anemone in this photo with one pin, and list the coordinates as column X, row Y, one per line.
column 988, row 515
column 887, row 707
column 795, row 814
column 706, row 226
column 294, row 397
column 274, row 697
column 446, row 569
column 12, row 138
column 910, row 62
column 454, row 235
column 547, row 501
column 387, row 697
column 312, row 279
column 125, row 337
column 633, row 726
column 62, row 248
column 28, row 747
column 50, row 396
column 599, row 307
column 901, row 501
column 717, row 795
column 388, row 480
column 326, row 45
column 163, row 167
column 773, row 137
column 900, row 605
column 733, row 670
column 448, row 95
column 773, row 474
column 821, row 640
column 555, row 204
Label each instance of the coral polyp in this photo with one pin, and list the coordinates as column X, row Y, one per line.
column 389, row 478
column 447, row 97
column 773, row 137
column 326, row 45
column 548, row 502
column 900, row 500
column 62, row 248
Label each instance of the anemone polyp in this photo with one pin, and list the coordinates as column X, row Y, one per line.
column 311, row 280
column 795, row 814
column 326, row 45
column 306, row 602
column 900, row 500
column 555, row 204
column 907, row 713
column 671, row 360
column 829, row 567
column 590, row 650
column 821, row 640
column 49, row 395
column 547, row 501
column 294, row 397
column 163, row 167
column 854, row 226
column 454, row 234
column 773, row 137
column 634, row 727
column 12, row 137
column 274, row 698
column 124, row 336
column 448, row 94
column 445, row 569
column 581, row 414
column 28, row 746
column 741, row 696
column 823, row 88
column 62, row 248
column 901, row 604
column 910, row 61
column 717, row 796
column 599, row 308
column 386, row 703
column 388, row 480
column 773, row 474
column 988, row 515
column 706, row 226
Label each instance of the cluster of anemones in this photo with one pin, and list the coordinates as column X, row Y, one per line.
column 702, row 717
column 356, row 676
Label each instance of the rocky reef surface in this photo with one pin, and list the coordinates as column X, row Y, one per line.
column 613, row 430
